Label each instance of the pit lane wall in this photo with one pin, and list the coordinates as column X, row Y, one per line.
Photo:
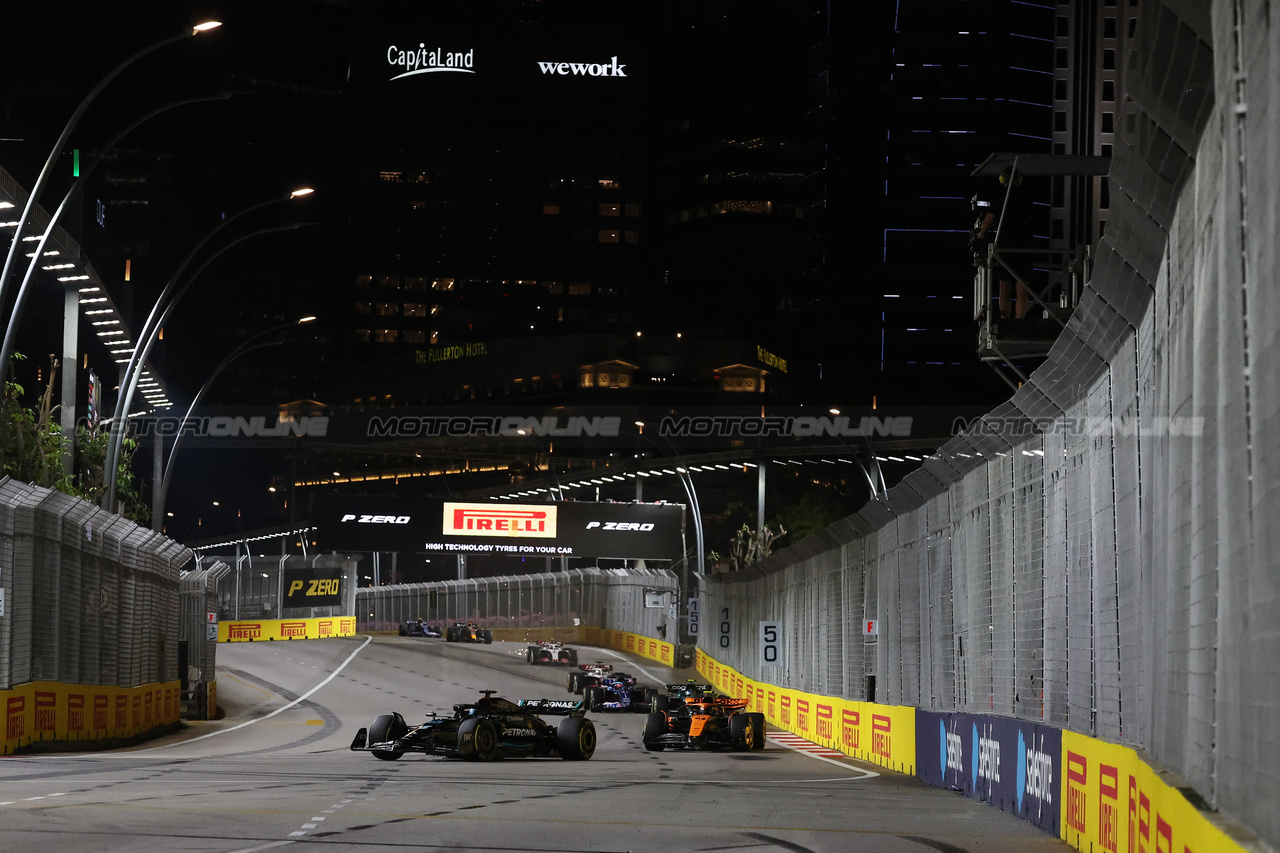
column 49, row 711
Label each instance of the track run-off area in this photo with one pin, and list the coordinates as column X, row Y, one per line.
column 276, row 771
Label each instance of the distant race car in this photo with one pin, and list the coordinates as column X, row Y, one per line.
column 616, row 694
column 467, row 632
column 721, row 723
column 676, row 694
column 549, row 651
column 492, row 727
column 588, row 674
column 418, row 628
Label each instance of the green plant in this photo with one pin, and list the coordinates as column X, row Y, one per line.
column 32, row 446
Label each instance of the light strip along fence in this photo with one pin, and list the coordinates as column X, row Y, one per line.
column 605, row 598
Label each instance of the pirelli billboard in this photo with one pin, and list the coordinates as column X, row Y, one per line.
column 563, row 529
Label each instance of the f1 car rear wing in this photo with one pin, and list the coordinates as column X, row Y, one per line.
column 603, row 667
column 558, row 707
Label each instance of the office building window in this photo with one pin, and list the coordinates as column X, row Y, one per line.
column 364, row 308
column 633, row 210
column 605, row 235
column 551, row 209
column 415, row 282
column 388, row 309
column 442, row 284
column 389, row 281
column 363, row 281
column 579, row 288
column 607, row 209
column 385, row 336
column 362, row 335
column 632, row 236
column 415, row 309
column 414, row 336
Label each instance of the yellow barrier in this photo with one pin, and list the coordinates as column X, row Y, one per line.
column 245, row 631
column 625, row 641
column 51, row 711
column 1113, row 801
column 881, row 734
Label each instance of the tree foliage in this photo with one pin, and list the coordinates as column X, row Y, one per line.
column 32, row 445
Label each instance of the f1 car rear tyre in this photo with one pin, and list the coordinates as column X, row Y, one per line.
column 576, row 739
column 642, row 699
column 654, row 725
column 757, row 723
column 741, row 732
column 660, row 702
column 488, row 636
column 450, row 635
column 477, row 739
column 593, row 696
column 387, row 727
column 528, row 655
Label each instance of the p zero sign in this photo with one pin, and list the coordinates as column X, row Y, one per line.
column 312, row 588
column 559, row 529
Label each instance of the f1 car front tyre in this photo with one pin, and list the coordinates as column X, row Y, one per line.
column 575, row 683
column 487, row 636
column 576, row 739
column 477, row 739
column 593, row 696
column 387, row 727
column 757, row 724
column 741, row 732
column 655, row 725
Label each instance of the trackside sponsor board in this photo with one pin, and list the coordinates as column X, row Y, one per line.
column 881, row 734
column 259, row 630
column 1113, row 801
column 312, row 587
column 656, row 650
column 552, row 529
column 1012, row 765
column 52, row 711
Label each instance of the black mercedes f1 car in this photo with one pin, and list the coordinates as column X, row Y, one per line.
column 492, row 727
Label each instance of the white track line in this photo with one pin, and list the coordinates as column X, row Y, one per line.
column 282, row 708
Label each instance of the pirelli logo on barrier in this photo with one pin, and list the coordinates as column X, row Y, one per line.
column 75, row 712
column 824, row 721
column 534, row 521
column 101, row 705
column 881, row 736
column 15, row 717
column 850, row 721
column 122, row 711
column 244, row 631
column 326, row 627
column 46, row 711
column 786, row 710
column 293, row 630
column 802, row 715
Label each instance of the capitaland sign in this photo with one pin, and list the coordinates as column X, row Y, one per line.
column 505, row 520
column 411, row 61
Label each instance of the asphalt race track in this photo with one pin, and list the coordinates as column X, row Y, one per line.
column 277, row 773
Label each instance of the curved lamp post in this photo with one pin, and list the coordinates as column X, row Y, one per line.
column 11, row 331
column 155, row 321
column 43, row 178
column 248, row 345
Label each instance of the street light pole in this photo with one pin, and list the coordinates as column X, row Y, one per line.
column 71, row 314
column 47, row 170
column 162, row 491
column 146, row 340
